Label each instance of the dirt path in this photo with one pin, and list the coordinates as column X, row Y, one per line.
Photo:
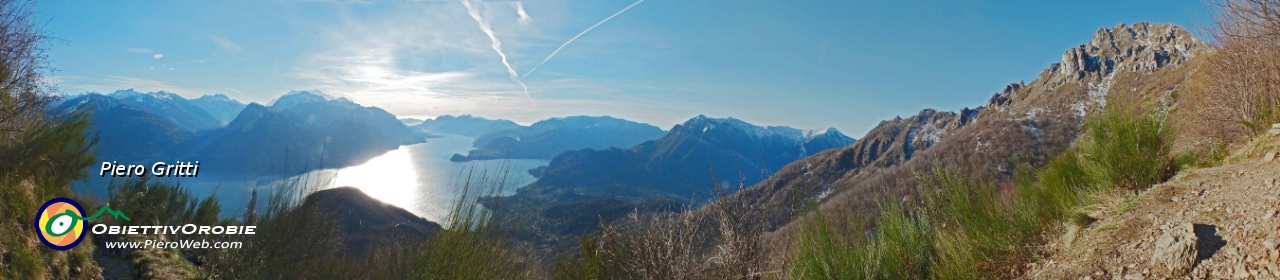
column 1233, row 208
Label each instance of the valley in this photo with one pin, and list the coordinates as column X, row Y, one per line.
column 447, row 140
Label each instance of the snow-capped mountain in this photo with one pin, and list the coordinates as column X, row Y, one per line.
column 170, row 106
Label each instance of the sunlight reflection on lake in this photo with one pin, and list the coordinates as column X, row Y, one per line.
column 421, row 179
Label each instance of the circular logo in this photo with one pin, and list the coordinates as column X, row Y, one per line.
column 59, row 223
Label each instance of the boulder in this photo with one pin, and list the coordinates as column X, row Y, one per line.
column 1176, row 250
column 1275, row 129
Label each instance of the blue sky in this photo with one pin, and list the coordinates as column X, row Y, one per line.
column 805, row 64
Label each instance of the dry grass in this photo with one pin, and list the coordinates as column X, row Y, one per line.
column 723, row 240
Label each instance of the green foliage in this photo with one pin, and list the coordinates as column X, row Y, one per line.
column 22, row 264
column 1062, row 185
column 48, row 156
column 1127, row 148
column 38, row 161
column 1265, row 112
column 979, row 233
column 148, row 202
column 901, row 247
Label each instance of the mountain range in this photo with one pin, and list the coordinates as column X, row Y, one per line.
column 465, row 125
column 300, row 131
column 1022, row 124
column 128, row 133
column 683, row 166
column 547, row 138
column 182, row 112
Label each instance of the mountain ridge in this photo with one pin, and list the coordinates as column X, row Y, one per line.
column 547, row 138
column 1024, row 123
column 656, row 176
column 465, row 125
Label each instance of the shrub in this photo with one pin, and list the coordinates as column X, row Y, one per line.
column 1126, row 147
column 162, row 203
column 40, row 154
column 901, row 247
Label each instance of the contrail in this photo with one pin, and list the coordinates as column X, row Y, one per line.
column 497, row 46
column 575, row 37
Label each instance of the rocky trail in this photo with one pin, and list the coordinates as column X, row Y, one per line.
column 1210, row 223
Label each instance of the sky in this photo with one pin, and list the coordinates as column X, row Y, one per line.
column 804, row 64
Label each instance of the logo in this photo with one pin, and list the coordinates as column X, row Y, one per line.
column 60, row 222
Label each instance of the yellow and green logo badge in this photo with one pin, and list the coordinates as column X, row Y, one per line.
column 60, row 222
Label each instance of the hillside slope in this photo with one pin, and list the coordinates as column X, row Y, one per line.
column 1232, row 209
column 1024, row 123
column 301, row 131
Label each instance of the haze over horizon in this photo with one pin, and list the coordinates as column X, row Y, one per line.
column 807, row 65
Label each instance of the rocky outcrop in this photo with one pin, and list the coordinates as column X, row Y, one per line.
column 1140, row 47
column 1176, row 250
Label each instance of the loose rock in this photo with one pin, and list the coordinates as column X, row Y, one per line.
column 1241, row 272
column 1271, row 241
column 1269, row 157
column 1175, row 250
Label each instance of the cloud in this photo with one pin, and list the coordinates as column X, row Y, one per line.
column 158, row 56
column 497, row 46
column 225, row 44
column 575, row 37
column 524, row 19
column 139, row 50
column 404, row 62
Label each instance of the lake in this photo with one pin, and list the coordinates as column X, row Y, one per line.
column 419, row 178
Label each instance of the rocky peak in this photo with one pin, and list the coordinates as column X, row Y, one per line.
column 1140, row 47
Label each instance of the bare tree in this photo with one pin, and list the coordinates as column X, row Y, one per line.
column 1235, row 95
column 1251, row 20
column 24, row 91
